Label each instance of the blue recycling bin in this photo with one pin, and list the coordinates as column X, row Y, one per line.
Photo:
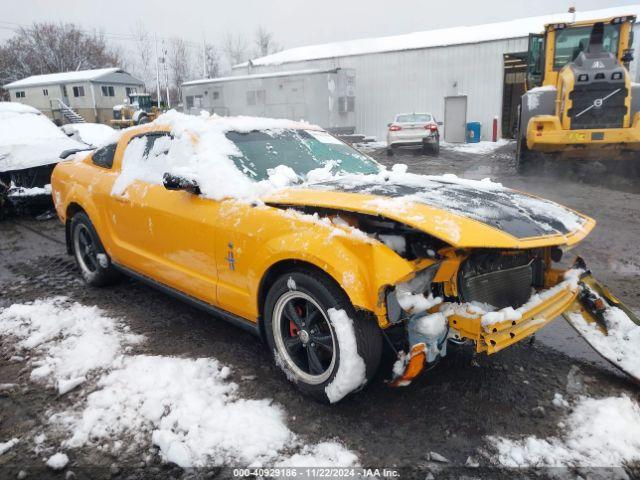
column 473, row 132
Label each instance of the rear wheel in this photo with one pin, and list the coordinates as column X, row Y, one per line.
column 390, row 152
column 142, row 120
column 431, row 148
column 94, row 263
column 313, row 352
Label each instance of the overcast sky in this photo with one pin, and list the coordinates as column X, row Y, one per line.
column 293, row 22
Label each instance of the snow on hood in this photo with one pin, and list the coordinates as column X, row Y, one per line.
column 516, row 213
column 29, row 139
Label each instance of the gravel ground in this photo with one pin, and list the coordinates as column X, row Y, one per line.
column 449, row 410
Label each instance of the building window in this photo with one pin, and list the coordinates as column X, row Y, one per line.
column 129, row 90
column 20, row 94
column 45, row 92
column 108, row 91
column 216, row 95
column 189, row 101
column 64, row 91
column 78, row 91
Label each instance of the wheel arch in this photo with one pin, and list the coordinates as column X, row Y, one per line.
column 280, row 268
column 72, row 209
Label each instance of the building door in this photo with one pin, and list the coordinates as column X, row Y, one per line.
column 455, row 119
column 515, row 69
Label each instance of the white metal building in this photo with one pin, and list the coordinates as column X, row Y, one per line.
column 471, row 73
column 324, row 97
column 90, row 93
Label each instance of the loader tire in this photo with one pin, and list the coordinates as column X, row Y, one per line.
column 301, row 335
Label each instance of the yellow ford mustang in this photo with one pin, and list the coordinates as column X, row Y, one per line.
column 285, row 230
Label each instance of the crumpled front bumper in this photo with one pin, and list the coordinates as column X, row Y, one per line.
column 491, row 338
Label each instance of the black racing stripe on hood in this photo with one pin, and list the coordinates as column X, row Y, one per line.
column 515, row 213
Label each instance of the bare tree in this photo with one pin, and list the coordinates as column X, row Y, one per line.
column 211, row 61
column 143, row 54
column 236, row 49
column 50, row 47
column 264, row 43
column 179, row 65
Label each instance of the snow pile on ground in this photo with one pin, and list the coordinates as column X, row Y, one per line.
column 188, row 408
column 201, row 151
column 327, row 454
column 621, row 343
column 602, row 432
column 8, row 445
column 93, row 134
column 71, row 340
column 479, row 148
column 58, row 461
column 29, row 139
column 352, row 373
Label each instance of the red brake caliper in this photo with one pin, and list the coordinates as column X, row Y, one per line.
column 293, row 328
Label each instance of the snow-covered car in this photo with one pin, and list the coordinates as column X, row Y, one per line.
column 30, row 146
column 286, row 231
column 413, row 130
column 91, row 134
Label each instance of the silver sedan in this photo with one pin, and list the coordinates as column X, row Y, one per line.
column 413, row 130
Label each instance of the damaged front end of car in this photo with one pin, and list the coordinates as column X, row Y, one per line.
column 491, row 298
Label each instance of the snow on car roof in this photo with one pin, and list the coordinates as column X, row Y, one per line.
column 62, row 77
column 29, row 139
column 436, row 38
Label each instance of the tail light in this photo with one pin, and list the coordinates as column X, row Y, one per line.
column 431, row 126
column 395, row 128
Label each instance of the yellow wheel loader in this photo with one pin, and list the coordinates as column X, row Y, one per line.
column 581, row 103
column 137, row 110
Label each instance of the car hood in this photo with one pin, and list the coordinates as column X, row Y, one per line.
column 462, row 213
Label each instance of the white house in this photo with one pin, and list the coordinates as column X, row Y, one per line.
column 460, row 74
column 92, row 94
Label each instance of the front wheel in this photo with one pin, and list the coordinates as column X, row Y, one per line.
column 93, row 262
column 318, row 339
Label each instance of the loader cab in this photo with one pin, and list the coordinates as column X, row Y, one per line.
column 141, row 101
column 562, row 43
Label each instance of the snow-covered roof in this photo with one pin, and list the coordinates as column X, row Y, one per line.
column 63, row 77
column 437, row 38
column 29, row 139
column 290, row 73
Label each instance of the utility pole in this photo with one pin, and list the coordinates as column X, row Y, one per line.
column 166, row 73
column 204, row 57
column 155, row 41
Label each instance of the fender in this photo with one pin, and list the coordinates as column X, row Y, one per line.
column 359, row 266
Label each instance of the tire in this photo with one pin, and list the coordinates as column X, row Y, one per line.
column 390, row 152
column 142, row 120
column 92, row 260
column 308, row 295
column 524, row 162
column 431, row 148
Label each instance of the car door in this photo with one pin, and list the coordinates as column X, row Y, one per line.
column 166, row 235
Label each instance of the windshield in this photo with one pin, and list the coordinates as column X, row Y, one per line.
column 571, row 41
column 413, row 118
column 302, row 150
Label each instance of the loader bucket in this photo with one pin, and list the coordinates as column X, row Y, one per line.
column 607, row 325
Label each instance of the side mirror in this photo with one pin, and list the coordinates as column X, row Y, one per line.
column 67, row 153
column 440, row 123
column 175, row 182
